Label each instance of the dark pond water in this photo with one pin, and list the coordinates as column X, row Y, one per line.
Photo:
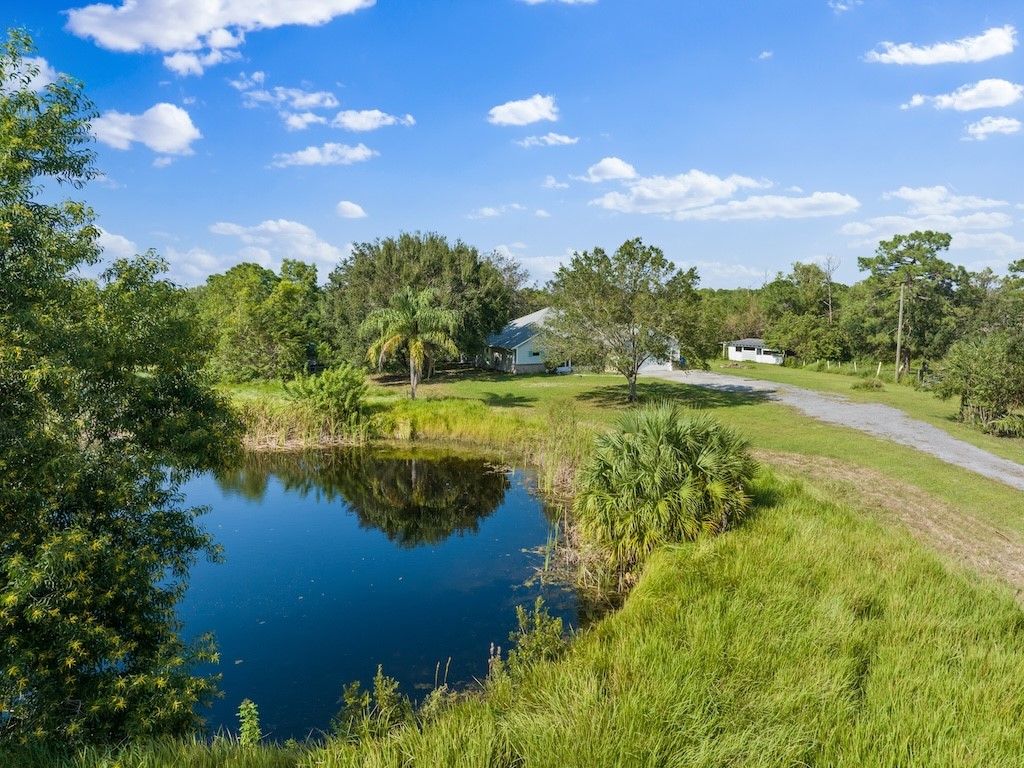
column 338, row 562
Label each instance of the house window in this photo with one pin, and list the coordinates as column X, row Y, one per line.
column 534, row 353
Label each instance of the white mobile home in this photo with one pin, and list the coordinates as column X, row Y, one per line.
column 754, row 351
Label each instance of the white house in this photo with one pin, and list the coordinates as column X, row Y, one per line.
column 514, row 348
column 754, row 351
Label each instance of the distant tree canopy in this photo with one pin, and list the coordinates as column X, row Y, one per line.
column 483, row 289
column 260, row 325
column 934, row 292
column 104, row 408
column 801, row 310
column 620, row 310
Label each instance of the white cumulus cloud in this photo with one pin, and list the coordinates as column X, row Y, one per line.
column 775, row 207
column 299, row 121
column 934, row 208
column 608, row 169
column 164, row 128
column 368, row 120
column 116, row 246
column 984, row 94
column 669, row 195
column 997, row 41
column 697, row 195
column 550, row 182
column 548, row 140
column 292, row 98
column 274, row 239
column 939, row 200
column 525, row 111
column 327, row 154
column 987, row 126
column 200, row 27
column 842, row 6
column 349, row 210
column 189, row 63
column 490, row 212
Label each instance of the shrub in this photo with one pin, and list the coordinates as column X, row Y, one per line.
column 662, row 476
column 338, row 396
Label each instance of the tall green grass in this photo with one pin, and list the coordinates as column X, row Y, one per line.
column 160, row 753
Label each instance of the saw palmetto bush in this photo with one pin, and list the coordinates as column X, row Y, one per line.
column 662, row 476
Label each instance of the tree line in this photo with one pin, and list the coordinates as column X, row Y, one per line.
column 413, row 300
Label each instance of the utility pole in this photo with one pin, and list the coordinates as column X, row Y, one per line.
column 899, row 333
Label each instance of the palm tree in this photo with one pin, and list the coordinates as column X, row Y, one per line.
column 663, row 476
column 412, row 324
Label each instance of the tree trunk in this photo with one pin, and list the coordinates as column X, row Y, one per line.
column 413, row 376
column 632, row 388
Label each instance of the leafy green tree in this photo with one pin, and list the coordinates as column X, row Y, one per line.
column 414, row 326
column 729, row 314
column 934, row 291
column 662, row 476
column 801, row 311
column 999, row 301
column 103, row 409
column 261, row 325
column 619, row 311
column 482, row 289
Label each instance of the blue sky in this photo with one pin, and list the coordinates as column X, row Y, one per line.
column 739, row 136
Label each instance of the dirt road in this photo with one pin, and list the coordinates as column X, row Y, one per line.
column 875, row 419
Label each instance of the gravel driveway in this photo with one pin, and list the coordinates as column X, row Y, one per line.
column 875, row 419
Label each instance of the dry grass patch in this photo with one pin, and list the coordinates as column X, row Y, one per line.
column 973, row 543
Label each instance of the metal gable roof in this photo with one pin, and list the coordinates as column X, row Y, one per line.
column 519, row 331
column 747, row 343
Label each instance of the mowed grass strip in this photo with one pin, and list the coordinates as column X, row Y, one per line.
column 811, row 636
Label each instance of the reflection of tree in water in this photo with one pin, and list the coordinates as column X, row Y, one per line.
column 414, row 498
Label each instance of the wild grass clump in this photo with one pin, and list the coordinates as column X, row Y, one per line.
column 661, row 476
column 337, row 394
column 221, row 752
column 868, row 385
column 553, row 441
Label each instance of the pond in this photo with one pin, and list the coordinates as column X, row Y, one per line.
column 338, row 561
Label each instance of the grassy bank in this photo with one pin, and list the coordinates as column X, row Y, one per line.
column 810, row 636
